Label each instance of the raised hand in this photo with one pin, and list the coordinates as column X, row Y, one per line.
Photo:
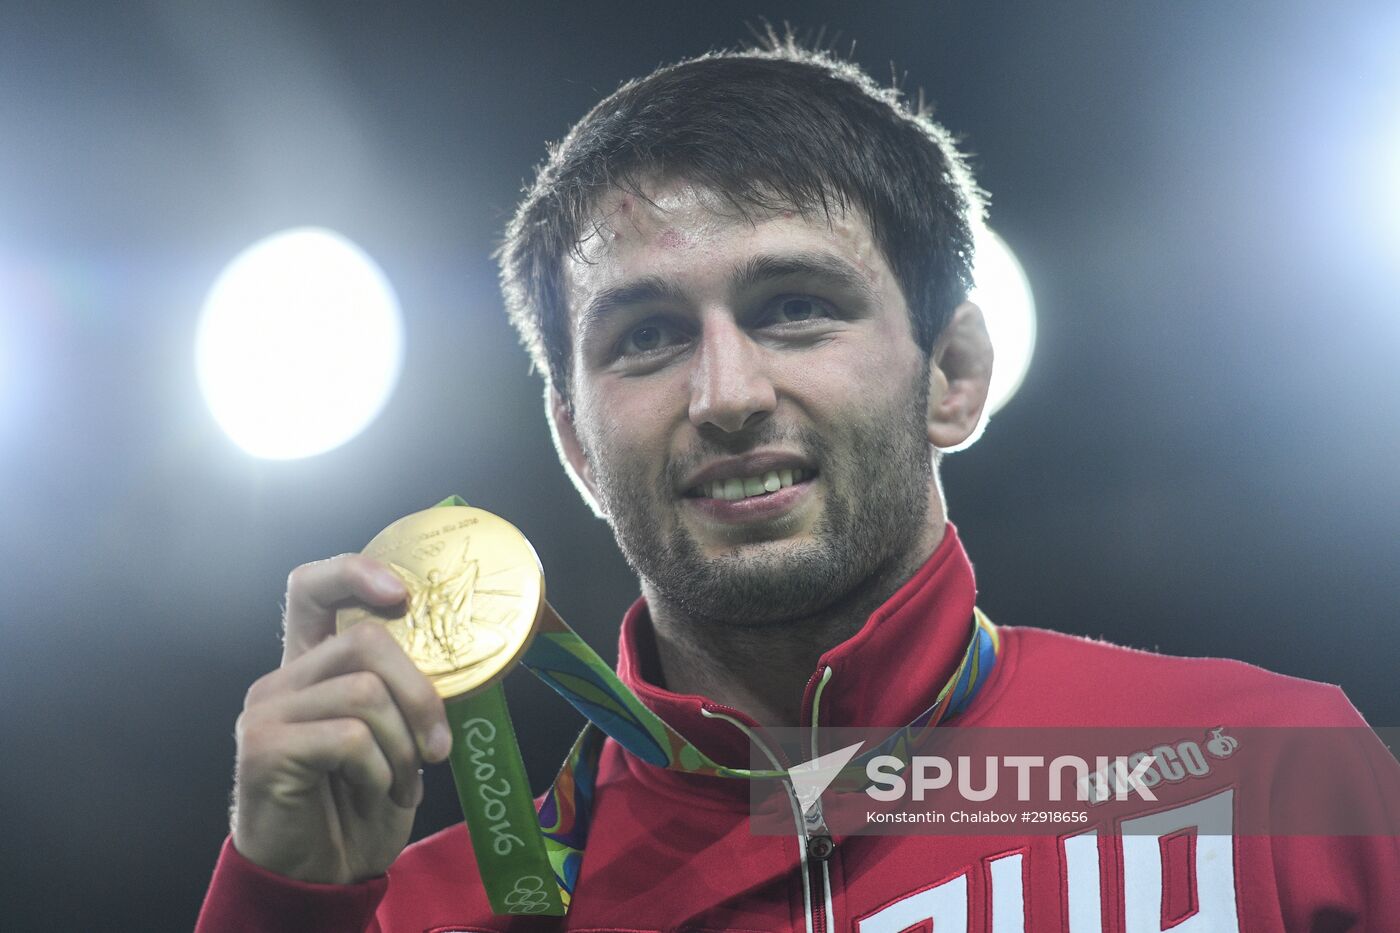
column 330, row 744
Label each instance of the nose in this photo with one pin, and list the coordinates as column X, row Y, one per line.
column 731, row 388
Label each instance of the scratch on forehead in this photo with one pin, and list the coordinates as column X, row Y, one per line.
column 624, row 215
column 624, row 209
column 621, row 214
column 671, row 238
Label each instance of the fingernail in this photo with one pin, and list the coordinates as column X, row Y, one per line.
column 417, row 789
column 439, row 742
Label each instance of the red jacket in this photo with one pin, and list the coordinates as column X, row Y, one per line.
column 673, row 851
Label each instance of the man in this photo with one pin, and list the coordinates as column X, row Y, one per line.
column 745, row 279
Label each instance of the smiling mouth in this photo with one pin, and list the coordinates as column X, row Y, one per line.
column 748, row 487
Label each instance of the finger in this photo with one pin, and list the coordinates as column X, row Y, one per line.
column 370, row 648
column 316, row 590
column 364, row 696
column 312, row 751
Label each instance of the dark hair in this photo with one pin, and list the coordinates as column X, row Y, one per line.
column 775, row 128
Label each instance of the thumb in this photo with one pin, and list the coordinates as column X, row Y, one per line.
column 316, row 590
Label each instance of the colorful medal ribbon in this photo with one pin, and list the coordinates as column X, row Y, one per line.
column 563, row 660
column 529, row 862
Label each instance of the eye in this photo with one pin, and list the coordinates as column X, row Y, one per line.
column 646, row 337
column 795, row 309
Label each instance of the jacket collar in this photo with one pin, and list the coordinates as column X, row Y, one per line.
column 885, row 675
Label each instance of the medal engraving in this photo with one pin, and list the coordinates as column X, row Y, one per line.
column 475, row 591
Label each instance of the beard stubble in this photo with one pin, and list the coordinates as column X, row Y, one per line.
column 875, row 470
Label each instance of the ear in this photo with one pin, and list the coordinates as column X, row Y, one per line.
column 570, row 449
column 960, row 374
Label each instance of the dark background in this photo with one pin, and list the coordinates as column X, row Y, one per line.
column 1202, row 460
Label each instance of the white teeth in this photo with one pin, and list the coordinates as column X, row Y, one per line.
column 742, row 488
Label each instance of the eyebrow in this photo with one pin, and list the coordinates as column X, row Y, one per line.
column 823, row 267
column 758, row 270
column 635, row 292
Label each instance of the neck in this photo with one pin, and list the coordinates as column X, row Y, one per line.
column 763, row 670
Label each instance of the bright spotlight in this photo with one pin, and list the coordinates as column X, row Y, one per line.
column 300, row 344
column 1004, row 295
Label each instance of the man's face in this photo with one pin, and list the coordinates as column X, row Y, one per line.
column 751, row 403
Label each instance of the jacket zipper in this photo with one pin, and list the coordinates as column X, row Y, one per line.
column 815, row 845
column 818, row 911
column 816, row 839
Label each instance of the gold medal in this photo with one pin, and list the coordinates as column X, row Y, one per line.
column 475, row 591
